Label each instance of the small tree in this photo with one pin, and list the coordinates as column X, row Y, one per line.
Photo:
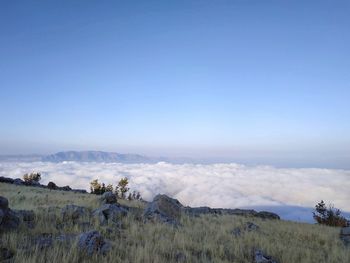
column 32, row 177
column 95, row 187
column 329, row 216
column 122, row 188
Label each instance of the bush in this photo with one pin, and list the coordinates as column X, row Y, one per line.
column 32, row 177
column 329, row 216
column 122, row 188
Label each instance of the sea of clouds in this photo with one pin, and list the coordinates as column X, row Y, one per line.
column 290, row 192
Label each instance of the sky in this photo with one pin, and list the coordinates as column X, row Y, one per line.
column 250, row 81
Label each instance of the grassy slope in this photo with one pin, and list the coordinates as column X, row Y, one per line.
column 202, row 239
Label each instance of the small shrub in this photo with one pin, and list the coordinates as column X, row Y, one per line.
column 122, row 188
column 329, row 216
column 32, row 177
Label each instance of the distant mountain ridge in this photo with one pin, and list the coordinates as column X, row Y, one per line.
column 99, row 156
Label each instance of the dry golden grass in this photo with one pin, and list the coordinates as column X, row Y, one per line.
column 201, row 239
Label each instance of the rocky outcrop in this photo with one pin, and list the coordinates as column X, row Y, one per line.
column 51, row 185
column 109, row 213
column 260, row 257
column 93, row 243
column 108, row 198
column 74, row 213
column 345, row 235
column 163, row 209
column 267, row 215
column 196, row 211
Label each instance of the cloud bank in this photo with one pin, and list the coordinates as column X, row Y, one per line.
column 290, row 192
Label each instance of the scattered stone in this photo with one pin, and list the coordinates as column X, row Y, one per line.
column 259, row 257
column 74, row 213
column 163, row 209
column 109, row 213
column 109, row 198
column 249, row 226
column 180, row 257
column 345, row 235
column 5, row 254
column 267, row 215
column 93, row 242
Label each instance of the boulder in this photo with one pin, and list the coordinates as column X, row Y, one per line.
column 163, row 209
column 109, row 213
column 4, row 203
column 18, row 181
column 8, row 218
column 345, row 235
column 52, row 186
column 93, row 243
column 260, row 257
column 108, row 198
column 74, row 213
column 267, row 215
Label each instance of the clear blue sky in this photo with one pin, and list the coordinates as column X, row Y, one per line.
column 254, row 80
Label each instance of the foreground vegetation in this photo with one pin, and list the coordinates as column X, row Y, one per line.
column 206, row 238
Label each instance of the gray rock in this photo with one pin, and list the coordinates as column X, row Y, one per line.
column 5, row 254
column 92, row 242
column 249, row 226
column 259, row 257
column 109, row 198
column 345, row 235
column 8, row 218
column 44, row 241
column 180, row 257
column 6, row 180
column 74, row 213
column 109, row 213
column 4, row 203
column 163, row 209
column 18, row 181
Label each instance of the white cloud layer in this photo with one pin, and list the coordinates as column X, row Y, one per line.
column 289, row 192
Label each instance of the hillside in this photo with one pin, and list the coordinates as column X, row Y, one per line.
column 200, row 238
